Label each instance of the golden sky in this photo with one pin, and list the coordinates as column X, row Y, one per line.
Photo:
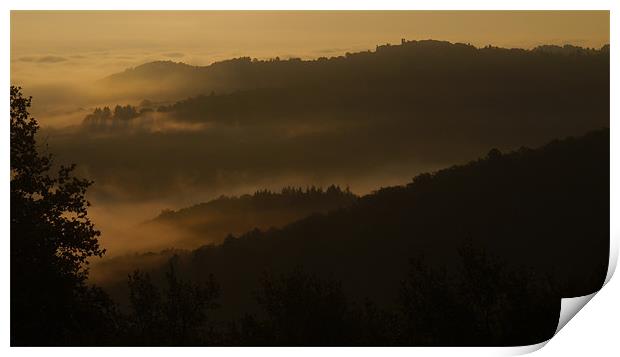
column 204, row 36
column 92, row 30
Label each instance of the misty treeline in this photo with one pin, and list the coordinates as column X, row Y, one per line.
column 309, row 199
column 264, row 209
column 475, row 254
column 105, row 116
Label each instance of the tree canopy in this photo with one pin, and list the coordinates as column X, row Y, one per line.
column 51, row 238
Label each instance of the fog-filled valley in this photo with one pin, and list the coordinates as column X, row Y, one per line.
column 362, row 120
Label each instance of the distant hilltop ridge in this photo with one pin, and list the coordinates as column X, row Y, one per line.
column 569, row 49
column 172, row 81
column 155, row 67
column 408, row 92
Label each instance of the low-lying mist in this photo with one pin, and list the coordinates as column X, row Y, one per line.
column 132, row 246
column 157, row 137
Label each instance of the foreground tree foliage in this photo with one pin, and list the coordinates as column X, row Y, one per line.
column 176, row 317
column 297, row 306
column 481, row 303
column 51, row 240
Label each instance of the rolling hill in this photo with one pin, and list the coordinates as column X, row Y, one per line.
column 510, row 233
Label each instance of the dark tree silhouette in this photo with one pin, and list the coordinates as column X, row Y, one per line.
column 186, row 308
column 303, row 309
column 146, row 304
column 481, row 303
column 429, row 310
column 502, row 304
column 176, row 316
column 51, row 240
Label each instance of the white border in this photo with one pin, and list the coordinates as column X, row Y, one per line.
column 594, row 329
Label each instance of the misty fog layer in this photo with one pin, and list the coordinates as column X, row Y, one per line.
column 363, row 120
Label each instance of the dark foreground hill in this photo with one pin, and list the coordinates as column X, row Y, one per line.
column 477, row 254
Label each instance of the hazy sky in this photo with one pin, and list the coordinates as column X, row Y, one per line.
column 64, row 42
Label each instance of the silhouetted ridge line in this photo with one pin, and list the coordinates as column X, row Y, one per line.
column 211, row 222
column 410, row 57
column 288, row 197
column 156, row 68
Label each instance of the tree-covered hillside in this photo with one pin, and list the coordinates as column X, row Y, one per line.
column 471, row 254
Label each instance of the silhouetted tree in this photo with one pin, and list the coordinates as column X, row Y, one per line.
column 178, row 316
column 430, row 310
column 505, row 306
column 51, row 240
column 146, row 305
column 304, row 310
column 187, row 305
